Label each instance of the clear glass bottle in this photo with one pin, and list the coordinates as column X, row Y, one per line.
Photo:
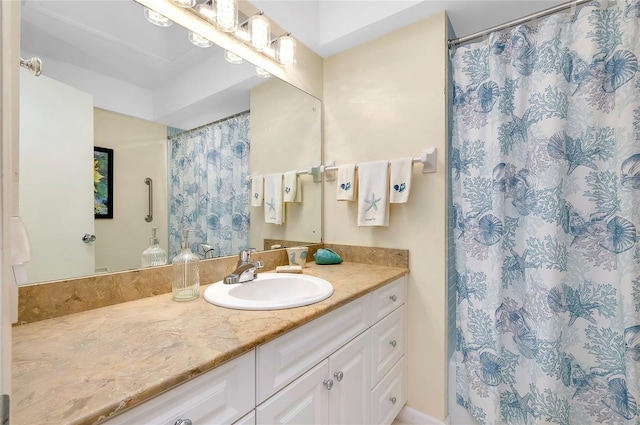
column 154, row 255
column 186, row 274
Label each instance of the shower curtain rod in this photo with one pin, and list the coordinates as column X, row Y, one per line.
column 457, row 41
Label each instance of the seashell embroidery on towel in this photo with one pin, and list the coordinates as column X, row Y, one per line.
column 399, row 187
column 345, row 186
column 287, row 189
column 255, row 195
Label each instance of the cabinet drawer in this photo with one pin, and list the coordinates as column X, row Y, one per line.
column 285, row 358
column 388, row 397
column 222, row 395
column 388, row 343
column 387, row 298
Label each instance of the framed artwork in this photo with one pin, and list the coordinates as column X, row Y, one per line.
column 103, row 182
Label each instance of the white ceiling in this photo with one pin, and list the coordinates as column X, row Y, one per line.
column 331, row 26
column 106, row 47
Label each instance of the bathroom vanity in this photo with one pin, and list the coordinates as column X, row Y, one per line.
column 157, row 361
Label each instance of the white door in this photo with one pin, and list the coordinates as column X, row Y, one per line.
column 56, row 177
column 304, row 401
column 350, row 369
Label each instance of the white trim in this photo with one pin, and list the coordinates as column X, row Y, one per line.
column 410, row 416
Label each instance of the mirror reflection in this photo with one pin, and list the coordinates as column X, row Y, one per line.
column 179, row 115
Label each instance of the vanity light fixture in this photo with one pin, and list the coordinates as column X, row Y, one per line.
column 198, row 40
column 262, row 73
column 254, row 31
column 157, row 19
column 232, row 58
column 259, row 32
column 286, row 50
column 226, row 15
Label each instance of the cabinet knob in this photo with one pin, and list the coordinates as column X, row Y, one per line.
column 393, row 298
column 328, row 383
column 338, row 375
column 393, row 343
column 87, row 238
column 393, row 400
column 183, row 422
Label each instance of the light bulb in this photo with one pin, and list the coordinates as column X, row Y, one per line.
column 184, row 3
column 259, row 32
column 232, row 58
column 262, row 73
column 199, row 40
column 227, row 15
column 286, row 51
column 157, row 19
column 206, row 11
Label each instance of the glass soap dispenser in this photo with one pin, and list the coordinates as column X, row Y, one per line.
column 154, row 255
column 186, row 275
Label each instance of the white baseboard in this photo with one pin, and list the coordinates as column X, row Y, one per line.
column 411, row 416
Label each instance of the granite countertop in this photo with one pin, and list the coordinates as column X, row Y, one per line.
column 80, row 368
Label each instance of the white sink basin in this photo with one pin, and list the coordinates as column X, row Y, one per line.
column 270, row 291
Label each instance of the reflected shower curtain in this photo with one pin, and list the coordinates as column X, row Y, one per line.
column 209, row 186
column 545, row 158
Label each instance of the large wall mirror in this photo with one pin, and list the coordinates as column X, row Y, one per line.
column 113, row 80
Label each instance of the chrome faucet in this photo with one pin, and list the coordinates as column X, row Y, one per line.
column 208, row 250
column 246, row 269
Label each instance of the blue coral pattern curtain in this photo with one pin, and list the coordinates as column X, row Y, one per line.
column 209, row 186
column 545, row 158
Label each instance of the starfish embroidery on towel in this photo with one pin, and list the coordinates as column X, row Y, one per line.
column 272, row 205
column 373, row 202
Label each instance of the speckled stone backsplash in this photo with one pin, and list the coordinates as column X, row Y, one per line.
column 59, row 298
column 372, row 255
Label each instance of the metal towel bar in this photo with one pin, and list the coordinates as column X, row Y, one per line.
column 149, row 182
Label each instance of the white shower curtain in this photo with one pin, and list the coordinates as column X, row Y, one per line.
column 545, row 156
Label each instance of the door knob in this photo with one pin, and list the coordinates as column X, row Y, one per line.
column 328, row 383
column 87, row 238
column 338, row 375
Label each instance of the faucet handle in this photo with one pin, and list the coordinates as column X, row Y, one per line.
column 245, row 255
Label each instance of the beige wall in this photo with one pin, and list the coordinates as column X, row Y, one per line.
column 285, row 136
column 387, row 99
column 140, row 151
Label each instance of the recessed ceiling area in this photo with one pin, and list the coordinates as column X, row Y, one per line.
column 108, row 49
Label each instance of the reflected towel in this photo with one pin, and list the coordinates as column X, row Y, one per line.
column 257, row 185
column 373, row 193
column 292, row 192
column 400, row 181
column 346, row 182
column 273, row 206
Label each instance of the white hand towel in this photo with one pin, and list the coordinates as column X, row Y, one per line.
column 373, row 193
column 273, row 206
column 291, row 187
column 400, row 184
column 346, row 182
column 257, row 185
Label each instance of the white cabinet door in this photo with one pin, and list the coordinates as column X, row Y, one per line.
column 350, row 370
column 248, row 419
column 304, row 401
